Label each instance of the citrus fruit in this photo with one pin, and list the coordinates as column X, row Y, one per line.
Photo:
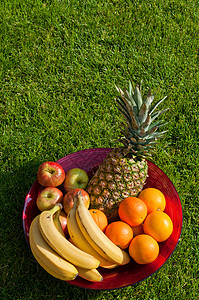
column 137, row 229
column 154, row 199
column 100, row 218
column 120, row 233
column 143, row 249
column 158, row 225
column 132, row 210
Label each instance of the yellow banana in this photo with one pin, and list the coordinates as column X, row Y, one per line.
column 90, row 275
column 61, row 245
column 80, row 241
column 52, row 272
column 57, row 222
column 47, row 257
column 96, row 237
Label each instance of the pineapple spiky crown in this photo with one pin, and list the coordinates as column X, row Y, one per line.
column 141, row 128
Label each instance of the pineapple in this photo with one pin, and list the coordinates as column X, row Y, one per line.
column 124, row 171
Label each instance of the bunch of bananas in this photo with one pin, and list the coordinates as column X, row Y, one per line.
column 89, row 249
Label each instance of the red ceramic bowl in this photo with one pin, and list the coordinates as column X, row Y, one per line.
column 123, row 276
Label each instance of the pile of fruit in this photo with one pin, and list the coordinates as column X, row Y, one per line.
column 68, row 238
column 110, row 219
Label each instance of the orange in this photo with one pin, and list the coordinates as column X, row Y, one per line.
column 120, row 233
column 154, row 199
column 143, row 249
column 100, row 218
column 132, row 210
column 158, row 225
column 137, row 229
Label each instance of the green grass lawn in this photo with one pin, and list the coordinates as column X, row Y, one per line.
column 60, row 62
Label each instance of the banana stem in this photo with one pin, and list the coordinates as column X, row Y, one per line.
column 57, row 222
column 58, row 206
column 75, row 201
column 78, row 198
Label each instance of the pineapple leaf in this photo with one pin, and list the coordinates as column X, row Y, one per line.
column 129, row 118
column 127, row 105
column 158, row 124
column 129, row 97
column 144, row 148
column 134, row 133
column 156, row 105
column 163, row 124
column 150, row 142
column 143, row 113
column 119, row 90
column 140, row 85
column 157, row 114
column 131, row 114
column 156, row 135
column 131, row 101
column 150, row 134
column 140, row 130
column 130, row 87
column 123, row 110
column 133, row 118
column 138, row 97
column 149, row 98
column 145, row 125
column 153, row 129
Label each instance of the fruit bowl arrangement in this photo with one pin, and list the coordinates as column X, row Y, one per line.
column 137, row 201
column 131, row 273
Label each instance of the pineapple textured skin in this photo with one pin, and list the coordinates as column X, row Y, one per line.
column 117, row 178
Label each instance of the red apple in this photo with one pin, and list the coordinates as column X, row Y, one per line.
column 50, row 174
column 69, row 199
column 48, row 198
column 75, row 178
column 63, row 221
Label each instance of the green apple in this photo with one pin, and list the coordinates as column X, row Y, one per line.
column 75, row 178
